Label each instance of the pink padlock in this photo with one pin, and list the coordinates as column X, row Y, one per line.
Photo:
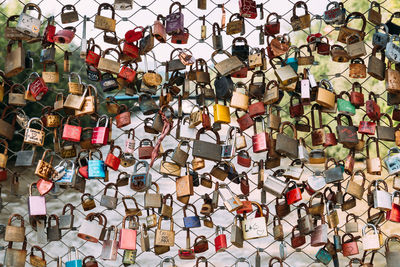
column 127, row 237
column 130, row 142
column 100, row 133
column 65, row 35
column 36, row 204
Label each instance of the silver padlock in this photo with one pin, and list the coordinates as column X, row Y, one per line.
column 110, row 246
column 392, row 51
column 382, row 198
column 228, row 149
column 28, row 24
column 110, row 202
column 91, row 229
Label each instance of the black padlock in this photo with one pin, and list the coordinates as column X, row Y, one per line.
column 108, row 82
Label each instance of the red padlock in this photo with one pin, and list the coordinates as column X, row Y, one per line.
column 83, row 171
column 244, row 159
column 394, row 214
column 37, row 87
column 145, row 149
column 372, row 109
column 349, row 247
column 247, row 207
column 366, row 127
column 330, row 137
column 72, row 132
column 100, row 133
column 205, row 117
column 123, row 117
column 92, row 58
column 49, row 32
column 220, row 240
column 296, row 110
column 127, row 72
column 248, row 9
column 130, row 49
column 324, row 48
column 240, row 74
column 113, row 161
column 65, row 35
column 181, row 38
column 3, row 174
column 272, row 28
column 127, row 237
column 357, row 98
column 134, row 35
column 260, row 140
column 245, row 121
column 44, row 186
column 256, row 109
column 293, row 193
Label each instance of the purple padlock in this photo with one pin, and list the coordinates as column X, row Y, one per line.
column 174, row 21
column 36, row 204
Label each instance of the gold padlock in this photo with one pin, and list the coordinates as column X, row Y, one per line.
column 34, row 136
column 44, row 169
column 50, row 76
column 240, row 100
column 221, row 112
column 325, row 95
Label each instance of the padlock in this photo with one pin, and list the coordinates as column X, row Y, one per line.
column 285, row 74
column 260, row 140
column 293, row 193
column 105, row 23
column 66, row 221
column 127, row 237
column 151, row 219
column 131, row 211
column 15, row 233
column 296, row 110
column 53, row 231
column 34, row 136
column 37, row 261
column 110, row 246
column 371, row 241
column 167, row 210
column 257, row 89
column 68, row 173
column 165, row 237
column 332, row 215
column 298, row 239
column 91, row 230
column 351, row 227
column 96, row 168
column 300, row 22
column 37, row 87
column 180, row 156
column 100, row 134
column 73, row 263
column 140, row 181
column 153, row 200
column 349, row 203
column 374, row 165
column 28, row 24
column 15, row 257
column 113, row 161
column 88, row 203
column 227, row 66
column 110, row 202
column 249, row 226
column 305, row 223
column 89, row 261
column 220, row 239
column 320, row 235
column 382, row 198
column 36, row 204
column 235, row 24
column 70, row 16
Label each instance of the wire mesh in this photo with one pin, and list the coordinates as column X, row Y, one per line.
column 144, row 13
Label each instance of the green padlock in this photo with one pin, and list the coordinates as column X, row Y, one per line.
column 345, row 106
column 129, row 257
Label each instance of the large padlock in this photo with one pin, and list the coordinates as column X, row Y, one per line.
column 152, row 200
column 105, row 23
column 15, row 233
column 127, row 237
column 191, row 221
column 28, row 24
column 91, row 230
column 174, row 22
column 15, row 257
column 66, row 221
column 382, row 198
column 36, row 204
column 371, row 241
column 165, row 237
column 113, row 161
column 227, row 66
column 305, row 223
column 72, row 132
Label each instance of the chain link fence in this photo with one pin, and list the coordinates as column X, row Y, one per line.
column 144, row 13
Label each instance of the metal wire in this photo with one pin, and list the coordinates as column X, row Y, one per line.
column 298, row 257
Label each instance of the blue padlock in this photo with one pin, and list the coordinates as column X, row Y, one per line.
column 69, row 173
column 73, row 263
column 191, row 221
column 392, row 161
column 323, row 256
column 140, row 181
column 96, row 166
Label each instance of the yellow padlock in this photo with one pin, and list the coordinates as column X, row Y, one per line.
column 221, row 112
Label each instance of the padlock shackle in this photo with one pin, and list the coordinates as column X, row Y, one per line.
column 71, row 208
column 351, row 215
column 393, row 237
